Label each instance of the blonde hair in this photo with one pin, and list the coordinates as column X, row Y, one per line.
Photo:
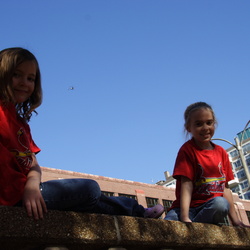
column 193, row 107
column 9, row 60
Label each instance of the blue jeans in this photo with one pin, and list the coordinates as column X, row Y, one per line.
column 84, row 195
column 213, row 211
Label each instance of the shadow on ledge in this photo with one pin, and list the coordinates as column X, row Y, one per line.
column 75, row 231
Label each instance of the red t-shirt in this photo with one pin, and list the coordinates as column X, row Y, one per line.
column 208, row 170
column 16, row 148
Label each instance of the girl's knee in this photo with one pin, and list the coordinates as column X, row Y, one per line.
column 93, row 187
column 221, row 204
column 173, row 214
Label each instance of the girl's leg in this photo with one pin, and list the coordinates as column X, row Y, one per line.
column 214, row 211
column 125, row 206
column 173, row 214
column 84, row 195
column 71, row 194
column 119, row 206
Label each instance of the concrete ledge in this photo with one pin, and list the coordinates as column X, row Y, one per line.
column 75, row 231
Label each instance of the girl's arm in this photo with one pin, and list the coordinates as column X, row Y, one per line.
column 32, row 197
column 232, row 213
column 185, row 198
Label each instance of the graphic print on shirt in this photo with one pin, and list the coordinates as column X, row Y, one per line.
column 23, row 154
column 210, row 184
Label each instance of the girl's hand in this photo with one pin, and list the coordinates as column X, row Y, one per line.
column 186, row 220
column 240, row 224
column 33, row 200
column 185, row 198
column 232, row 213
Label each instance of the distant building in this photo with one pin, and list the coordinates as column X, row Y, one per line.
column 168, row 182
column 241, row 185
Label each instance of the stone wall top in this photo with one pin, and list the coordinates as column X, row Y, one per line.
column 75, row 231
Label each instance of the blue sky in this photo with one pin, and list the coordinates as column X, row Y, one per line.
column 134, row 66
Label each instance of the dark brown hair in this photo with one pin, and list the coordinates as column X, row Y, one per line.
column 9, row 60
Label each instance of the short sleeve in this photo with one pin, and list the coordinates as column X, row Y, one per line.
column 227, row 166
column 33, row 147
column 184, row 165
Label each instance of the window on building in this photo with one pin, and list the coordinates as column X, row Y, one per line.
column 226, row 221
column 108, row 193
column 246, row 134
column 235, row 189
column 237, row 163
column 244, row 184
column 248, row 160
column 241, row 174
column 247, row 196
column 151, row 201
column 234, row 153
column 246, row 148
column 248, row 215
column 128, row 196
column 167, row 204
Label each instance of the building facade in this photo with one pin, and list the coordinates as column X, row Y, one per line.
column 239, row 156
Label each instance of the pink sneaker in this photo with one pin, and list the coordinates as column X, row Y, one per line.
column 154, row 212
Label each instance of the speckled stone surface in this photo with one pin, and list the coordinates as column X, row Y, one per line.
column 75, row 231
